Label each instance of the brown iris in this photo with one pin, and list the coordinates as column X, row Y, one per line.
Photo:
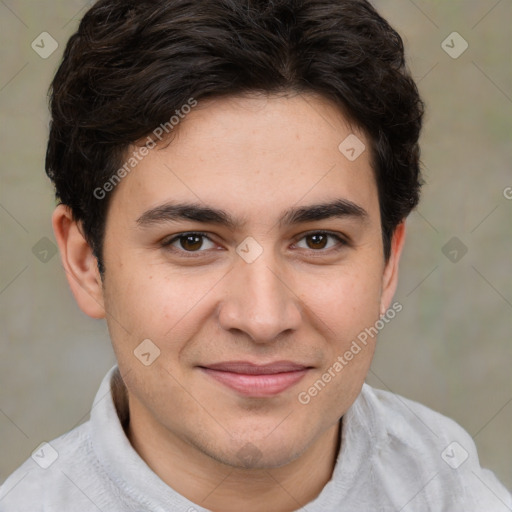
column 191, row 242
column 319, row 241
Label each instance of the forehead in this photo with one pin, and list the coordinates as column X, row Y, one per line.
column 254, row 154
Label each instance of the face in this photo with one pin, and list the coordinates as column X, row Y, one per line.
column 249, row 252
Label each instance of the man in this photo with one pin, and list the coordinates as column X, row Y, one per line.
column 234, row 177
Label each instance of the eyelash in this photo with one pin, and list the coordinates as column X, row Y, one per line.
column 342, row 242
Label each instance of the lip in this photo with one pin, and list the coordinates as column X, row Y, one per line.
column 257, row 380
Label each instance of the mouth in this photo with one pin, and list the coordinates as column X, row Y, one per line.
column 257, row 380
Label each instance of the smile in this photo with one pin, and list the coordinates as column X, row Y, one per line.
column 257, row 381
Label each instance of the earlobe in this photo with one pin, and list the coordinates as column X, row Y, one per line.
column 79, row 263
column 390, row 275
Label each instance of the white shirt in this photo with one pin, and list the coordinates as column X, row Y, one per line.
column 396, row 455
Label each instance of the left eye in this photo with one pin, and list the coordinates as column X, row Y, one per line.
column 320, row 240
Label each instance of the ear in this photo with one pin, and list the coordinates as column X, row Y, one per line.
column 79, row 263
column 390, row 275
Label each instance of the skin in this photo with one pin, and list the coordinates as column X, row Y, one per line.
column 301, row 300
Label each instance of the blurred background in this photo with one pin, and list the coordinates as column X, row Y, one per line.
column 449, row 348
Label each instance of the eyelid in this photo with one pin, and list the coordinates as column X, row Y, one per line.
column 334, row 234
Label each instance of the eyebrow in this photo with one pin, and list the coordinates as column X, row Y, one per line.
column 168, row 212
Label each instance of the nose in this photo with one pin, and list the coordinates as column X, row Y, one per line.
column 260, row 301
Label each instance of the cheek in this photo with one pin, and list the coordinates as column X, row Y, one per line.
column 346, row 301
column 155, row 303
column 348, row 309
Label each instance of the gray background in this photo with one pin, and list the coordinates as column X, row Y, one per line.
column 450, row 346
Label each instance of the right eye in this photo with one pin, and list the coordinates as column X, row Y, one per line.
column 188, row 242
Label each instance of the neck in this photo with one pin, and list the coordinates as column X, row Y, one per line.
column 219, row 487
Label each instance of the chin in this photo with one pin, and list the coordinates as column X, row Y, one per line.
column 258, row 453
